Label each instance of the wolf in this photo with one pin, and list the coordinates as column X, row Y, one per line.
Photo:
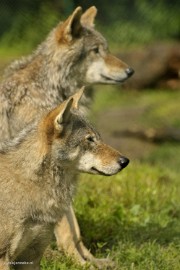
column 37, row 179
column 74, row 54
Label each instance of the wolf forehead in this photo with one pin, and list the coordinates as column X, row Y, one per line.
column 92, row 37
column 81, row 126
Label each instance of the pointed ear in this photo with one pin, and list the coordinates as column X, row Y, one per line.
column 64, row 115
column 87, row 19
column 55, row 122
column 71, row 28
column 76, row 98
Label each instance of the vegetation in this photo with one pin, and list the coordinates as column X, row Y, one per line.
column 133, row 22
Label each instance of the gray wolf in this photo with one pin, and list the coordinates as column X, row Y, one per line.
column 74, row 54
column 37, row 179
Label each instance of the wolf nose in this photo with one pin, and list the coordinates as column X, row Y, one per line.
column 129, row 71
column 123, row 162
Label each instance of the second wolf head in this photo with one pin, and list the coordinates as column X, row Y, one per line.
column 76, row 142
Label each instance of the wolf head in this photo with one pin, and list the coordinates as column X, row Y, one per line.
column 76, row 144
column 83, row 52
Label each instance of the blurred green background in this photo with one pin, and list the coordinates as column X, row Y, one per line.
column 24, row 23
column 133, row 217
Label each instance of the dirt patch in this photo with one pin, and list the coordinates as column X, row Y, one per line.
column 114, row 121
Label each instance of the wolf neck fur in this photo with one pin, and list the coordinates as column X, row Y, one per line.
column 40, row 170
column 59, row 78
column 32, row 157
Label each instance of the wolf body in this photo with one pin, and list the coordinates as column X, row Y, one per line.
column 74, row 54
column 37, row 179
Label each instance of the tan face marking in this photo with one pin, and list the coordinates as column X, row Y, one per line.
column 114, row 62
column 101, row 159
column 106, row 69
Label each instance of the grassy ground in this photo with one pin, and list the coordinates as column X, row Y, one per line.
column 133, row 217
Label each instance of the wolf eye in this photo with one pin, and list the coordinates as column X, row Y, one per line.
column 90, row 138
column 96, row 50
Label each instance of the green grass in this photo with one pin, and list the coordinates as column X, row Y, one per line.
column 133, row 217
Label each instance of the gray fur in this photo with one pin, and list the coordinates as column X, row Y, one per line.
column 55, row 76
column 37, row 180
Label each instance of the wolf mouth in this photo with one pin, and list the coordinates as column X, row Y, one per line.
column 93, row 169
column 111, row 79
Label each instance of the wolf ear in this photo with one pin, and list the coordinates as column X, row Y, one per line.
column 71, row 28
column 64, row 115
column 87, row 19
column 55, row 122
column 76, row 98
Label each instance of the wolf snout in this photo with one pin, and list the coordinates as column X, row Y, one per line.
column 129, row 71
column 123, row 162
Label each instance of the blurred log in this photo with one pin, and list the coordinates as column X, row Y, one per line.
column 156, row 66
column 151, row 134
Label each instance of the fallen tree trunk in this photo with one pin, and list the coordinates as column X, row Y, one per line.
column 151, row 134
column 156, row 66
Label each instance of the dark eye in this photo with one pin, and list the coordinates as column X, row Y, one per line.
column 96, row 50
column 90, row 138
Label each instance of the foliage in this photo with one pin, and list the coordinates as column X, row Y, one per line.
column 25, row 23
column 28, row 31
column 141, row 22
